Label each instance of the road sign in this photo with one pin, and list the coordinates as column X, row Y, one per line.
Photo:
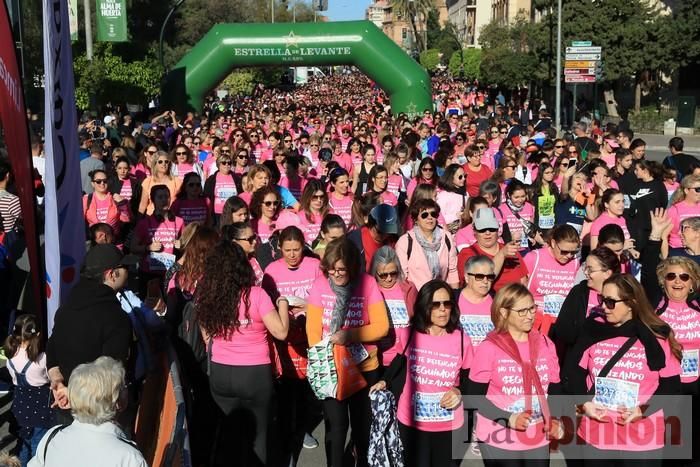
column 579, row 71
column 583, row 56
column 580, row 64
column 584, row 50
column 579, row 79
column 581, row 43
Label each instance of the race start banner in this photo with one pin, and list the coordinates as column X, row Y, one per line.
column 111, row 21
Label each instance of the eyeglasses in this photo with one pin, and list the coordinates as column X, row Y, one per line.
column 253, row 135
column 271, row 203
column 181, row 153
column 460, row 177
column 447, row 304
column 671, row 276
column 287, row 140
column 338, row 271
column 250, row 239
column 504, row 132
column 430, row 169
column 589, row 271
column 459, row 138
column 567, row 252
column 487, row 230
column 609, row 302
column 224, row 162
column 522, row 312
column 242, row 156
column 101, row 181
column 482, row 277
column 318, row 197
column 313, row 145
column 386, row 275
column 194, row 185
column 164, row 162
column 426, row 214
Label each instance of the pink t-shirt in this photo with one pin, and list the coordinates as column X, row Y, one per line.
column 344, row 160
column 464, row 238
column 127, row 190
column 284, row 218
column 451, row 205
column 677, row 213
column 311, row 229
column 395, row 184
column 279, row 279
column 102, row 210
column 631, row 376
column 400, row 314
column 671, row 188
column 183, row 169
column 685, row 323
column 250, row 343
column 366, row 293
column 549, row 280
column 605, row 219
column 504, row 377
column 475, row 318
column 433, row 368
column 341, row 207
column 515, row 225
column 192, row 210
column 388, row 198
column 150, row 229
column 224, row 188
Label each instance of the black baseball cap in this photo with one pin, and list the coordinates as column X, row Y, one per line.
column 105, row 256
column 386, row 217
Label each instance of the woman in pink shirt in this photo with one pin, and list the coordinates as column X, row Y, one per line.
column 378, row 183
column 685, row 203
column 237, row 318
column 340, row 199
column 222, row 185
column 426, row 174
column 258, row 177
column 474, row 300
column 438, row 356
column 518, row 212
column 452, row 197
column 612, row 204
column 184, row 162
column 190, row 203
column 101, row 206
column 142, row 169
column 399, row 296
column 314, row 207
column 267, row 213
column 620, row 412
column 427, row 251
column 234, row 210
column 513, row 371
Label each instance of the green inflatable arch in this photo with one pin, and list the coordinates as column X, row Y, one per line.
column 358, row 43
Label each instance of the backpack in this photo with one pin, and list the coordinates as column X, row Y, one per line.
column 188, row 331
column 409, row 247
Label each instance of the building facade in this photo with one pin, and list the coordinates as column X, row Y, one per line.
column 468, row 17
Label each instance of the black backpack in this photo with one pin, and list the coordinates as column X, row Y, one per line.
column 188, row 331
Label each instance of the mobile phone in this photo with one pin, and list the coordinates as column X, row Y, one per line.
column 573, row 162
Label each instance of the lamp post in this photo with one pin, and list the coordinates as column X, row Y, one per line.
column 557, row 120
column 162, row 29
column 88, row 30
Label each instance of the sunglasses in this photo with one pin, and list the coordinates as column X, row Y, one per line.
column 511, row 166
column 559, row 146
column 225, row 151
column 504, row 132
column 696, row 189
column 242, row 156
column 568, row 252
column 181, row 153
column 101, row 181
column 225, row 163
column 460, row 177
column 271, row 203
column 253, row 135
column 483, row 277
column 250, row 239
column 318, row 197
column 671, row 276
column 445, row 303
column 487, row 230
column 287, row 140
column 314, row 145
column 430, row 169
column 150, row 152
column 164, row 162
column 608, row 302
column 238, row 135
column 426, row 214
column 386, row 275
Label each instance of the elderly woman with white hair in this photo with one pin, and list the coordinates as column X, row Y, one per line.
column 97, row 392
column 399, row 296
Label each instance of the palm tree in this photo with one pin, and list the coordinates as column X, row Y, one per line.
column 410, row 9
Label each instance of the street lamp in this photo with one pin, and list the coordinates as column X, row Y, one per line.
column 162, row 30
column 557, row 120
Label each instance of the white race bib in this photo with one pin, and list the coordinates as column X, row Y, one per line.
column 426, row 408
column 398, row 313
column 553, row 303
column 358, row 352
column 519, row 406
column 614, row 393
column 689, row 363
column 524, row 243
column 225, row 193
column 160, row 261
column 546, row 222
column 476, row 327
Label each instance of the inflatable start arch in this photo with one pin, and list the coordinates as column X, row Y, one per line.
column 358, row 43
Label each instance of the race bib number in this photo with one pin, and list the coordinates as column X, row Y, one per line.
column 689, row 363
column 225, row 193
column 160, row 261
column 398, row 313
column 546, row 222
column 552, row 304
column 358, row 352
column 615, row 393
column 519, row 406
column 524, row 243
column 426, row 408
column 476, row 327
column 628, row 201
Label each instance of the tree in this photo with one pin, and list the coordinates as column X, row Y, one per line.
column 430, row 59
column 470, row 61
column 508, row 53
column 410, row 9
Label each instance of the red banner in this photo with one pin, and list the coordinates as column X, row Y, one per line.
column 13, row 120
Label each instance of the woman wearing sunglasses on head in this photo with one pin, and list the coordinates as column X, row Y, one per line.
column 399, row 296
column 618, row 368
column 427, row 251
column 429, row 409
column 513, row 371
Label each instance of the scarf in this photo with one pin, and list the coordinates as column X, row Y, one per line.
column 505, row 342
column 343, row 293
column 430, row 248
column 513, row 207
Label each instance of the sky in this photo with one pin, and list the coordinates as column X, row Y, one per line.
column 346, row 10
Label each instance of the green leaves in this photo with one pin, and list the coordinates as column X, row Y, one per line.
column 471, row 61
column 430, row 59
column 508, row 53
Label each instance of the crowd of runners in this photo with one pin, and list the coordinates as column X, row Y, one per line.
column 314, row 258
